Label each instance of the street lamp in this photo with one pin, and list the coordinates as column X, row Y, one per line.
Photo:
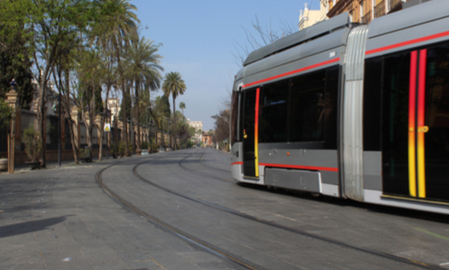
column 115, row 135
column 12, row 100
column 107, row 117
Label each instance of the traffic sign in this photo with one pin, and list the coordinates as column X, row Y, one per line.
column 107, row 128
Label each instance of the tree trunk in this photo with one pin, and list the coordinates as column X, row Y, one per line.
column 100, row 140
column 138, row 148
column 125, row 131
column 41, row 116
column 174, row 125
column 124, row 120
column 72, row 139
column 102, row 124
column 71, row 122
column 132, row 140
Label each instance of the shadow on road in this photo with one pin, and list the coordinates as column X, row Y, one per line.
column 30, row 226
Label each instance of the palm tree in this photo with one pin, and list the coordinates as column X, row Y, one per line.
column 182, row 107
column 90, row 69
column 173, row 85
column 118, row 30
column 143, row 67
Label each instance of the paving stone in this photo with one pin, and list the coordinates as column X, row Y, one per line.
column 97, row 232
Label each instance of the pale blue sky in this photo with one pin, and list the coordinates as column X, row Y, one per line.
column 199, row 39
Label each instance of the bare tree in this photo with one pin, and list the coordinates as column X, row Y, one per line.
column 260, row 36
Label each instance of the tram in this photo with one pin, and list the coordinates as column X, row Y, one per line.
column 350, row 110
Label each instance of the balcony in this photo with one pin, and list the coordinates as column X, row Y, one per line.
column 380, row 9
column 367, row 18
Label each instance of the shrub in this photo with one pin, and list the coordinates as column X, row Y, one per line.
column 33, row 146
column 130, row 149
column 111, row 149
column 121, row 148
column 144, row 145
column 154, row 147
column 84, row 152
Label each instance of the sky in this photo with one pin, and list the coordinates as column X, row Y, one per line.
column 200, row 40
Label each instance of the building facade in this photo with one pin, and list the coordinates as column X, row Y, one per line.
column 310, row 17
column 198, row 126
column 364, row 11
column 114, row 106
column 360, row 11
column 207, row 138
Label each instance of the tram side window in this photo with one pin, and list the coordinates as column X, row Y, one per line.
column 314, row 107
column 234, row 117
column 330, row 109
column 437, row 121
column 372, row 104
column 273, row 117
column 307, row 108
column 395, row 97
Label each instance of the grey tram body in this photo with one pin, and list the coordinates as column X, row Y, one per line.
column 359, row 172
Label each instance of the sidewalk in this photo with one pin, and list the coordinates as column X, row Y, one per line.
column 61, row 219
column 21, row 168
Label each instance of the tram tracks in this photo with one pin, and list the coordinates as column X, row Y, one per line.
column 283, row 227
column 216, row 250
column 211, row 167
column 167, row 227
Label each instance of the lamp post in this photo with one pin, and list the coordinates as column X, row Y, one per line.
column 133, row 101
column 115, row 135
column 59, row 127
column 11, row 99
column 107, row 117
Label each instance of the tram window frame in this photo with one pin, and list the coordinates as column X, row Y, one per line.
column 326, row 131
column 394, row 122
column 242, row 114
column 235, row 111
column 372, row 103
column 273, row 119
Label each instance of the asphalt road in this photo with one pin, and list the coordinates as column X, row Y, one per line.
column 182, row 210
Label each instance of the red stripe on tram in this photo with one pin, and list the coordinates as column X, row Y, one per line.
column 409, row 42
column 237, row 163
column 293, row 72
column 313, row 168
column 412, row 125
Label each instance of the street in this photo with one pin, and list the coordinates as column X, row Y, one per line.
column 183, row 210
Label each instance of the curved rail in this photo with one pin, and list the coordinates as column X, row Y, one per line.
column 277, row 225
column 201, row 244
column 212, row 176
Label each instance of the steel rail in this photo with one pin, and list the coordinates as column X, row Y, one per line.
column 201, row 244
column 290, row 229
column 212, row 167
column 221, row 179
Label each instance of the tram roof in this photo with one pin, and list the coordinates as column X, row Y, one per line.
column 317, row 30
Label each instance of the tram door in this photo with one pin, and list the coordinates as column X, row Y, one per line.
column 416, row 116
column 249, row 126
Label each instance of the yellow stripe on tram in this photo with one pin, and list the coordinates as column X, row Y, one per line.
column 412, row 126
column 256, row 132
column 421, row 124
